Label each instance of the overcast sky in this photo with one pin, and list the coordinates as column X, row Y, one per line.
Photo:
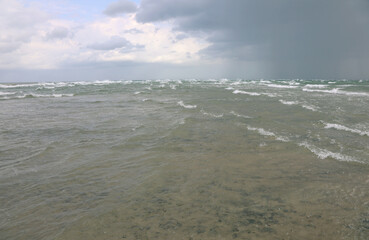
column 81, row 40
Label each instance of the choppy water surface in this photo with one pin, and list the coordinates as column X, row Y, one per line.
column 190, row 159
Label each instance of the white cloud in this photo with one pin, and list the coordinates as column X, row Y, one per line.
column 32, row 39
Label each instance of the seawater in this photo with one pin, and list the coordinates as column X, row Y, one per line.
column 185, row 159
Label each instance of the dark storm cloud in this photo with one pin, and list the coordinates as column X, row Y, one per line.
column 291, row 38
column 115, row 42
column 120, row 7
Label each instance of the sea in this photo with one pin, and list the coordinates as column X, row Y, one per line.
column 185, row 159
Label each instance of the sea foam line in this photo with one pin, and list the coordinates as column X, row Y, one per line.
column 347, row 129
column 180, row 103
column 323, row 153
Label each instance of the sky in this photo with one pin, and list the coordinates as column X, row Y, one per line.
column 84, row 40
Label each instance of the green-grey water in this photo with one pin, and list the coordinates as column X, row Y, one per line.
column 185, row 159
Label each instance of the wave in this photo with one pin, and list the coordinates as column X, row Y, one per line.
column 347, row 129
column 336, row 91
column 33, row 95
column 316, row 86
column 51, row 85
column 270, row 94
column 280, row 86
column 309, row 107
column 239, row 115
column 289, row 102
column 248, row 93
column 264, row 132
column 211, row 114
column 180, row 103
column 323, row 153
column 7, row 93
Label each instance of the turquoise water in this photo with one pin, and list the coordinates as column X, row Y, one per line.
column 181, row 159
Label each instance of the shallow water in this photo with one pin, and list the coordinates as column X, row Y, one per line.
column 191, row 159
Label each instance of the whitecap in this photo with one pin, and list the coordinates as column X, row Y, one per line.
column 34, row 95
column 180, row 103
column 316, row 86
column 239, row 115
column 6, row 93
column 19, row 85
column 323, row 153
column 280, row 86
column 248, row 93
column 270, row 94
column 347, row 129
column 211, row 114
column 288, row 102
column 264, row 132
column 336, row 91
column 310, row 107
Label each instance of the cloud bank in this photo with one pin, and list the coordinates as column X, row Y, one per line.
column 188, row 38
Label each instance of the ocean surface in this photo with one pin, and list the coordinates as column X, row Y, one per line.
column 185, row 159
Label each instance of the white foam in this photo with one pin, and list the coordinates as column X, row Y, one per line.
column 264, row 132
column 34, row 95
column 270, row 94
column 347, row 129
column 18, row 85
column 248, row 93
column 280, row 86
column 6, row 93
column 323, row 153
column 138, row 92
column 211, row 114
column 310, row 107
column 51, row 85
column 239, row 115
column 229, row 88
column 336, row 91
column 316, row 86
column 289, row 102
column 180, row 103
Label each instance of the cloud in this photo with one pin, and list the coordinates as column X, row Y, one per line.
column 160, row 10
column 58, row 33
column 120, row 7
column 291, row 38
column 48, row 42
column 113, row 43
column 133, row 31
column 18, row 24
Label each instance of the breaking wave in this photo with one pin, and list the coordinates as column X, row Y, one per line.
column 347, row 129
column 180, row 103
